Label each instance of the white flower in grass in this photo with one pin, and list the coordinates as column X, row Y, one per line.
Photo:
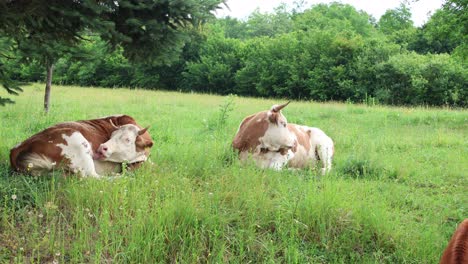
column 41, row 215
column 57, row 254
column 21, row 249
column 13, row 197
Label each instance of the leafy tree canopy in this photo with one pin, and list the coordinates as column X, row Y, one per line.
column 147, row 30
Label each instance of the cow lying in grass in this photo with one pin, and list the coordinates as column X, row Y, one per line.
column 273, row 143
column 87, row 147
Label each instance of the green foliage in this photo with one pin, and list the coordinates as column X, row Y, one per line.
column 154, row 25
column 417, row 79
column 214, row 71
column 335, row 17
column 219, row 121
column 276, row 23
column 149, row 31
column 326, row 52
column 7, row 58
column 441, row 34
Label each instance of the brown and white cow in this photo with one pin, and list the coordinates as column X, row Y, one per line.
column 273, row 143
column 86, row 147
column 457, row 249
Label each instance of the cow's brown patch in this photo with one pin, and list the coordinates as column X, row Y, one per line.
column 303, row 137
column 457, row 249
column 273, row 117
column 250, row 131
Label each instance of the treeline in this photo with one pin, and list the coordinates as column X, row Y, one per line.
column 326, row 52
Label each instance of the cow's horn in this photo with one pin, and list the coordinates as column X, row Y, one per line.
column 142, row 131
column 279, row 107
column 112, row 123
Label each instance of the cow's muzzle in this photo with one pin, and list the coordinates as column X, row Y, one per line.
column 101, row 153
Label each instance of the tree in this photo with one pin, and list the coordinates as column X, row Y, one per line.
column 265, row 24
column 7, row 55
column 397, row 25
column 46, row 29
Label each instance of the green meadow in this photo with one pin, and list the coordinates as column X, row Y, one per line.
column 396, row 192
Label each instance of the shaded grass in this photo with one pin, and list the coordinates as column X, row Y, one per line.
column 397, row 190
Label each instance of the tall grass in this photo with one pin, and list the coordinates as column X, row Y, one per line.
column 395, row 195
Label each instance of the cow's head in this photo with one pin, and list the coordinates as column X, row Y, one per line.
column 277, row 136
column 128, row 143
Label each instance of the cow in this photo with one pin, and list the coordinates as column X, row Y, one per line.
column 272, row 142
column 87, row 147
column 457, row 249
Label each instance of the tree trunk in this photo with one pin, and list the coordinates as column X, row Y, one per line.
column 50, row 69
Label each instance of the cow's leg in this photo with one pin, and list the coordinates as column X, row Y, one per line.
column 78, row 152
column 37, row 164
column 325, row 152
column 278, row 160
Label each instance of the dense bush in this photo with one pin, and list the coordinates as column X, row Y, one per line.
column 422, row 79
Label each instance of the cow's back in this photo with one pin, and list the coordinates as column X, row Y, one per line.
column 303, row 153
column 312, row 145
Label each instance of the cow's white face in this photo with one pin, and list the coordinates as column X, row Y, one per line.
column 121, row 147
column 277, row 136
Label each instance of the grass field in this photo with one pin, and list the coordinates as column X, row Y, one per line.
column 397, row 190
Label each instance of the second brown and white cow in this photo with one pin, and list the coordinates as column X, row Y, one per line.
column 273, row 143
column 86, row 147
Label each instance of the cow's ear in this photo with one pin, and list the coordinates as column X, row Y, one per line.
column 294, row 148
column 149, row 144
column 273, row 117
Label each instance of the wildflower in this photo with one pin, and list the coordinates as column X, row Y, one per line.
column 21, row 249
column 41, row 215
column 210, row 193
column 53, row 163
column 13, row 197
column 50, row 205
column 57, row 254
column 101, row 192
